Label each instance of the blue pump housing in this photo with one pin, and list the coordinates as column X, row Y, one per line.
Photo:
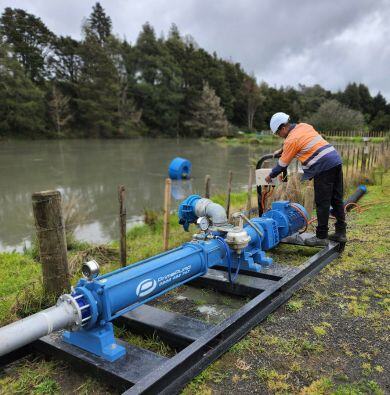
column 109, row 296
column 287, row 217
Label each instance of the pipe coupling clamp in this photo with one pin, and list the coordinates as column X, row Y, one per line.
column 71, row 304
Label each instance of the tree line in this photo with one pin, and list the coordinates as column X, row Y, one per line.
column 103, row 86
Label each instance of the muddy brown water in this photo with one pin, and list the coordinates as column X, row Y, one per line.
column 91, row 170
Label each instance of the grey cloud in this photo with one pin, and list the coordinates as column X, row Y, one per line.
column 284, row 42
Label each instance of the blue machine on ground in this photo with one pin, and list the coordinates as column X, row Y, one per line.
column 97, row 300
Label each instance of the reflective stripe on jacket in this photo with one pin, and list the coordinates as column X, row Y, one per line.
column 310, row 148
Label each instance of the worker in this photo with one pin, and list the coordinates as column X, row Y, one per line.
column 321, row 162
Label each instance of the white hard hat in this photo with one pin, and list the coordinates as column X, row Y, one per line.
column 278, row 119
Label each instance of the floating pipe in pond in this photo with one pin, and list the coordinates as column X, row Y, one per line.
column 179, row 169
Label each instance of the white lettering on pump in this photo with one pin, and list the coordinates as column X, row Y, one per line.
column 166, row 279
column 146, row 287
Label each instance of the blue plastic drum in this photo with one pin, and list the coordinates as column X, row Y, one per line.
column 180, row 169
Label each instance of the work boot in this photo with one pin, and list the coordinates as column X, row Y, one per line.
column 339, row 237
column 315, row 241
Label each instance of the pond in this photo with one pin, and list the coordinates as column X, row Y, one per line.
column 88, row 172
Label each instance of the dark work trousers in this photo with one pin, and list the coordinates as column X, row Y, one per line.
column 328, row 191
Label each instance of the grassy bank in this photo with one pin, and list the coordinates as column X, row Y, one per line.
column 328, row 339
column 258, row 139
column 355, row 139
column 250, row 138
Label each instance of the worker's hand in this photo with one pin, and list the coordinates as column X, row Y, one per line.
column 277, row 152
column 268, row 179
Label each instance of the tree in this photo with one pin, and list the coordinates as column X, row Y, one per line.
column 59, row 110
column 332, row 115
column 254, row 99
column 208, row 117
column 29, row 39
column 66, row 60
column 381, row 122
column 311, row 98
column 351, row 97
column 102, row 98
column 234, row 77
column 366, row 101
column 98, row 90
column 128, row 116
column 99, row 24
column 21, row 102
column 379, row 104
column 159, row 84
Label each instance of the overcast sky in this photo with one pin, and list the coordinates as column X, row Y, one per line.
column 283, row 42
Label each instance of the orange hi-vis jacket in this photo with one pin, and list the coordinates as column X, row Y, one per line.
column 310, row 148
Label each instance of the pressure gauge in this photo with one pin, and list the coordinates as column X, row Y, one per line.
column 90, row 270
column 203, row 223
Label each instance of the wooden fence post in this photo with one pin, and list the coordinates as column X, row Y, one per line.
column 167, row 209
column 355, row 162
column 347, row 164
column 229, row 191
column 249, row 199
column 207, row 186
column 122, row 224
column 49, row 224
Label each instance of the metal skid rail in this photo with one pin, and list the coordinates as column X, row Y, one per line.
column 144, row 372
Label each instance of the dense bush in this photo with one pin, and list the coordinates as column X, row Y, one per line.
column 102, row 86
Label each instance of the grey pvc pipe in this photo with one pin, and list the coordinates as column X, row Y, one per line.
column 25, row 331
column 206, row 207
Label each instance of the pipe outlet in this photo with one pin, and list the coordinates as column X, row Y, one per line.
column 217, row 214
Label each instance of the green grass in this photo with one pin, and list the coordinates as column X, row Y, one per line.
column 326, row 386
column 259, row 139
column 249, row 138
column 32, row 377
column 16, row 272
column 152, row 343
column 294, row 305
column 355, row 139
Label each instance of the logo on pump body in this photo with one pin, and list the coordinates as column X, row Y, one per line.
column 146, row 287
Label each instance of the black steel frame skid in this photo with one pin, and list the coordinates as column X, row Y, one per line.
column 144, row 372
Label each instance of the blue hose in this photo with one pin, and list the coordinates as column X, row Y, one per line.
column 238, row 268
column 229, row 260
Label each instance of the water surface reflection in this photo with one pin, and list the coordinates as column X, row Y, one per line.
column 91, row 170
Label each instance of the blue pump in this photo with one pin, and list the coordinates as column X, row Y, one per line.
column 106, row 297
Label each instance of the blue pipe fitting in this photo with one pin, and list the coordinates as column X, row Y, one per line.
column 179, row 169
column 186, row 211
